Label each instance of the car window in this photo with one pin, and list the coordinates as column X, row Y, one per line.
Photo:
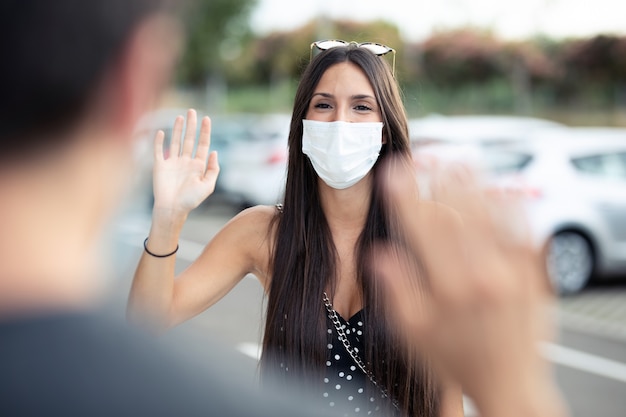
column 506, row 162
column 610, row 165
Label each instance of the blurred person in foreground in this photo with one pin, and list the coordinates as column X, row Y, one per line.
column 482, row 305
column 76, row 76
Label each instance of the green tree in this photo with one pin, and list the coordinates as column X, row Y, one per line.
column 594, row 71
column 284, row 55
column 215, row 32
column 455, row 58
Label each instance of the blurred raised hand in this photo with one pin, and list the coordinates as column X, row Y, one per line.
column 184, row 179
column 480, row 307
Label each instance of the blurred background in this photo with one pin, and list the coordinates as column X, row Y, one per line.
column 533, row 92
column 560, row 59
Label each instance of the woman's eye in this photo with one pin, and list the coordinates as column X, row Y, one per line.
column 362, row 107
column 322, row 106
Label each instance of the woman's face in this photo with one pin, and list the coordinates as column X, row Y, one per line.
column 344, row 94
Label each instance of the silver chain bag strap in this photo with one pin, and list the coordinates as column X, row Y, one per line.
column 332, row 314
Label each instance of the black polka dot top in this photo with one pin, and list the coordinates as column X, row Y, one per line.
column 346, row 388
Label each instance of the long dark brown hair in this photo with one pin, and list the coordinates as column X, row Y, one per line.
column 305, row 259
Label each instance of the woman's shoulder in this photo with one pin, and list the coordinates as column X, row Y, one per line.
column 260, row 215
column 250, row 233
column 253, row 221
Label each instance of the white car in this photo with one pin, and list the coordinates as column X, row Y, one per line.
column 483, row 130
column 257, row 166
column 574, row 184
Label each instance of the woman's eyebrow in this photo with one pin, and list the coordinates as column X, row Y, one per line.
column 362, row 96
column 353, row 97
column 326, row 95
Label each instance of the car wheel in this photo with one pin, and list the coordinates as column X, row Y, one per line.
column 570, row 262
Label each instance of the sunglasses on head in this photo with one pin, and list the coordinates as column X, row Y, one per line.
column 375, row 48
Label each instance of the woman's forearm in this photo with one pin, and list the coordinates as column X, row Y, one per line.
column 152, row 292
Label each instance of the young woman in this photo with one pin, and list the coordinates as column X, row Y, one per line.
column 326, row 319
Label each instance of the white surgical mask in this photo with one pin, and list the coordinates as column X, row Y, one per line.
column 342, row 153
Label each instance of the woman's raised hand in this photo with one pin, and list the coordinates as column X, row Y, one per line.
column 183, row 180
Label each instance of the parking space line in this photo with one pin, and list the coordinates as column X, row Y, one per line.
column 582, row 361
column 252, row 350
column 557, row 354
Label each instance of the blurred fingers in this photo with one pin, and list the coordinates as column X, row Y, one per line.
column 471, row 247
column 457, row 186
column 190, row 132
column 431, row 229
column 405, row 293
column 502, row 264
column 402, row 192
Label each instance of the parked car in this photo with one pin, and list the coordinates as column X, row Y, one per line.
column 228, row 131
column 257, row 166
column 483, row 130
column 574, row 185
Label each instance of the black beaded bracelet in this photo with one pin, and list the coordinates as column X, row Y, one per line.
column 145, row 247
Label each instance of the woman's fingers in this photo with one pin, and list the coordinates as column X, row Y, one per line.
column 190, row 133
column 182, row 180
column 204, row 142
column 212, row 169
column 158, row 145
column 177, row 132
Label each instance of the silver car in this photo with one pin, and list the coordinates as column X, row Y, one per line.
column 574, row 183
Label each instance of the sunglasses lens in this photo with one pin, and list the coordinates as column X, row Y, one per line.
column 376, row 48
column 323, row 45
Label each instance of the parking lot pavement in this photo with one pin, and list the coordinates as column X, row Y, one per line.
column 599, row 309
